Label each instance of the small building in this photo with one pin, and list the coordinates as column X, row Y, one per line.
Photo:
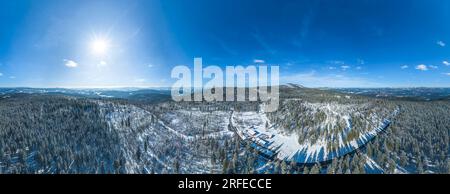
column 252, row 132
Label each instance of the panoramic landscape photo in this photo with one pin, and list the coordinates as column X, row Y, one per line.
column 224, row 87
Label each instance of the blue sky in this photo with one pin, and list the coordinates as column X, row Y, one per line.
column 361, row 43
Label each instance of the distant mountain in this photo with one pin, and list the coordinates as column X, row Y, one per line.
column 292, row 85
column 401, row 93
column 142, row 94
column 143, row 131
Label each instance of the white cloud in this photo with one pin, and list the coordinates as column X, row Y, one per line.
column 422, row 67
column 404, row 67
column 446, row 63
column 448, row 74
column 331, row 68
column 336, row 62
column 150, row 65
column 70, row 63
column 12, row 77
column 358, row 68
column 440, row 43
column 433, row 67
column 102, row 64
column 312, row 79
column 1, row 74
column 345, row 67
column 258, row 61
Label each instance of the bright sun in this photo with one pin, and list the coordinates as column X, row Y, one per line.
column 99, row 46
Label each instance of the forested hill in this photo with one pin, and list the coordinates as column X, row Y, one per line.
column 60, row 133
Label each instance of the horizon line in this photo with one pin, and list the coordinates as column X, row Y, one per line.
column 145, row 87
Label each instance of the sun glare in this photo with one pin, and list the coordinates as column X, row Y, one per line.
column 99, row 46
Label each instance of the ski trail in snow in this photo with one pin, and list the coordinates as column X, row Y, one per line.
column 256, row 127
column 183, row 136
column 372, row 164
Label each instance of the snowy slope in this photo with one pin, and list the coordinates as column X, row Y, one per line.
column 272, row 139
column 150, row 144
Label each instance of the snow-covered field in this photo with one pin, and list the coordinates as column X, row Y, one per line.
column 272, row 139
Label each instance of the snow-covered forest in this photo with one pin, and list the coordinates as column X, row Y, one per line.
column 313, row 131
